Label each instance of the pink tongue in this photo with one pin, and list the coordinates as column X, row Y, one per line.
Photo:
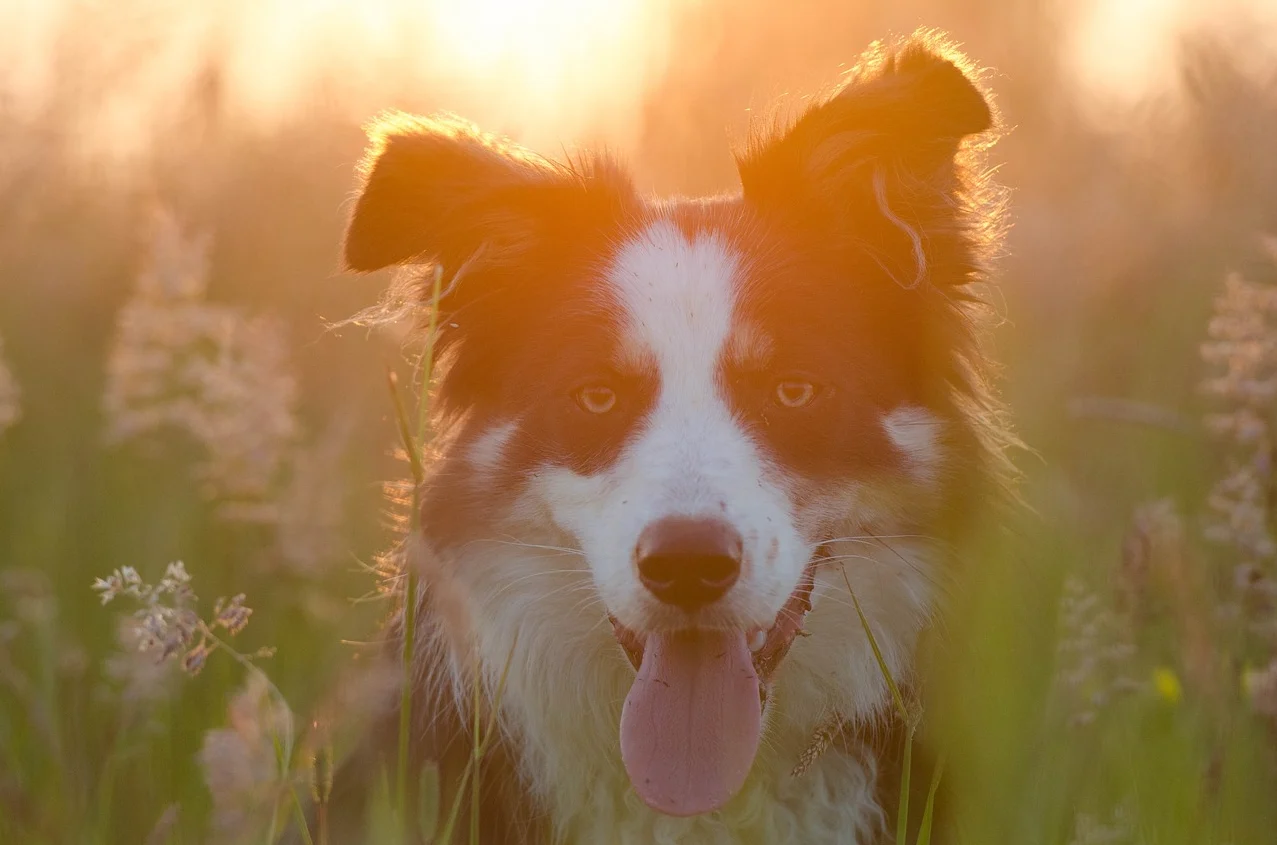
column 691, row 724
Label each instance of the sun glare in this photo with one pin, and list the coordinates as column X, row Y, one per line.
column 569, row 62
column 539, row 37
column 546, row 71
column 1123, row 50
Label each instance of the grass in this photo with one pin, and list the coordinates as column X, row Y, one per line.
column 1104, row 681
column 1173, row 753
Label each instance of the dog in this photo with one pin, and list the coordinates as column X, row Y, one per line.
column 688, row 453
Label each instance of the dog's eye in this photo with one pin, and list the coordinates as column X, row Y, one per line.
column 794, row 393
column 596, row 399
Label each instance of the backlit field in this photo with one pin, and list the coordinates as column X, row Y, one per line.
column 178, row 383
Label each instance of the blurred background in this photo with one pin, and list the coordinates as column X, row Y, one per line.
column 173, row 183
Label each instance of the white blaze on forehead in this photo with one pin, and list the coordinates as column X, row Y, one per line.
column 690, row 455
column 678, row 296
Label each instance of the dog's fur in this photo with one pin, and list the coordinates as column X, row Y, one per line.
column 847, row 263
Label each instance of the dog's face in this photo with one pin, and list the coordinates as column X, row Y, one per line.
column 705, row 398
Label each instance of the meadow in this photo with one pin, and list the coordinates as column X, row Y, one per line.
column 189, row 421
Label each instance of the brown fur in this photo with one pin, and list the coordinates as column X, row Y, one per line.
column 883, row 155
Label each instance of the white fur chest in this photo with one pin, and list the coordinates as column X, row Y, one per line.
column 562, row 706
column 831, row 803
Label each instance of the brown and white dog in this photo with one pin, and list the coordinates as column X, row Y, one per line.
column 676, row 434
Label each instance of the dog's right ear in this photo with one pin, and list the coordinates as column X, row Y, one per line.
column 439, row 189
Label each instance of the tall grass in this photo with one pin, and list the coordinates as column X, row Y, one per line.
column 1111, row 675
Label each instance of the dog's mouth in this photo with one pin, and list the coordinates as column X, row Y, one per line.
column 768, row 647
column 692, row 722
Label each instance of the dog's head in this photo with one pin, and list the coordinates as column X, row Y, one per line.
column 702, row 397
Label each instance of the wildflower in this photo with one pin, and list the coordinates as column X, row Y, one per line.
column 166, row 623
column 222, row 378
column 109, row 587
column 242, row 769
column 141, row 679
column 177, row 268
column 167, row 629
column 176, row 581
column 122, row 582
column 231, row 615
column 1166, row 684
column 1094, row 653
column 194, row 660
column 1242, row 348
column 245, row 418
column 10, row 407
column 207, row 371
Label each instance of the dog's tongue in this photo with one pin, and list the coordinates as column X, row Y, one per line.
column 691, row 724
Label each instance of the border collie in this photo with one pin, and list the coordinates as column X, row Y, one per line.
column 675, row 437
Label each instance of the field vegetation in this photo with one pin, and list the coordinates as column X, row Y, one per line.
column 200, row 460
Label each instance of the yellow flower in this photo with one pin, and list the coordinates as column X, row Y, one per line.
column 1167, row 685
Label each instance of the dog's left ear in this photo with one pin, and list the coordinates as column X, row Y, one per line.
column 901, row 117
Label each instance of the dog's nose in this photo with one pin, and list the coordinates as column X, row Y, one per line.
column 687, row 562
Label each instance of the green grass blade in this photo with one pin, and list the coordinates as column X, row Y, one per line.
column 415, row 448
column 383, row 823
column 428, row 802
column 899, row 699
column 910, row 719
column 472, row 764
column 906, row 771
column 405, row 431
column 428, row 358
column 928, row 812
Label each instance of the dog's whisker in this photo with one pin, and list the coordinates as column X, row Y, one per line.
column 869, row 538
column 847, row 556
column 933, row 576
column 526, row 545
column 568, row 589
column 588, row 603
column 581, row 577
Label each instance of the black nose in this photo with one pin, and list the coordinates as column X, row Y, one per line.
column 688, row 563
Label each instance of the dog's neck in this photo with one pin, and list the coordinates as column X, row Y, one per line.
column 540, row 626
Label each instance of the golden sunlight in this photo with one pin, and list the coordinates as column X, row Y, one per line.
column 543, row 69
column 536, row 38
column 551, row 64
column 1123, row 50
